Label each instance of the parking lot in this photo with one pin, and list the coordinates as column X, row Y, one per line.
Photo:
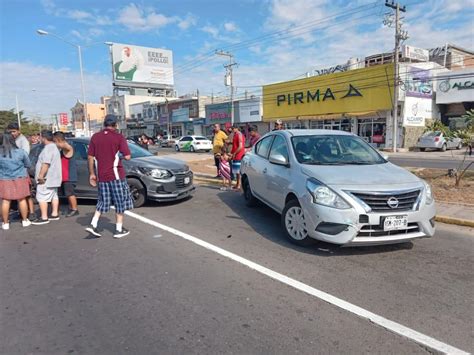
column 210, row 275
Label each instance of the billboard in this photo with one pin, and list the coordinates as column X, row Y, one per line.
column 63, row 119
column 418, row 83
column 142, row 65
column 414, row 53
column 355, row 91
column 416, row 111
column 249, row 111
column 180, row 115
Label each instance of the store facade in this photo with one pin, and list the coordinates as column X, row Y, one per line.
column 357, row 101
column 455, row 95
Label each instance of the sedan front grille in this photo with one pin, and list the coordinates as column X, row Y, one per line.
column 180, row 184
column 377, row 230
column 387, row 202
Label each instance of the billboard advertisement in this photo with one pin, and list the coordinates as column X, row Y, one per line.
column 218, row 113
column 180, row 115
column 416, row 111
column 142, row 65
column 414, row 53
column 418, row 83
column 63, row 119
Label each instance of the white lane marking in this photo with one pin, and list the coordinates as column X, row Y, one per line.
column 361, row 312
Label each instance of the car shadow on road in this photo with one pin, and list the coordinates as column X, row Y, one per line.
column 266, row 223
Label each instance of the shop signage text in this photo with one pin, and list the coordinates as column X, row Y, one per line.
column 301, row 97
column 354, row 91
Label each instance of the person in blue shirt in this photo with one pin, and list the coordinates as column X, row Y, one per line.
column 14, row 181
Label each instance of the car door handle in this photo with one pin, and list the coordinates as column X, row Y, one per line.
column 265, row 170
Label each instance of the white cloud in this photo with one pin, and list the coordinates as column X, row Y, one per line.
column 230, row 27
column 189, row 21
column 137, row 19
column 79, row 15
column 213, row 31
column 59, row 88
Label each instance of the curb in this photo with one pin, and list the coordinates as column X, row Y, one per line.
column 441, row 219
column 456, row 221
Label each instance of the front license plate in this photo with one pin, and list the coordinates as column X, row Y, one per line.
column 393, row 223
column 187, row 180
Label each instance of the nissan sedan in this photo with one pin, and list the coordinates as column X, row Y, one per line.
column 333, row 186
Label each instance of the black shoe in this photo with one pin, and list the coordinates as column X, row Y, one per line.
column 121, row 234
column 72, row 213
column 32, row 216
column 39, row 221
column 54, row 218
column 94, row 231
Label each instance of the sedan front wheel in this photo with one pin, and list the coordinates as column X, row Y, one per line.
column 294, row 223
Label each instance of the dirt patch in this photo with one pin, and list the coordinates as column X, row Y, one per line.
column 203, row 166
column 444, row 188
column 442, row 185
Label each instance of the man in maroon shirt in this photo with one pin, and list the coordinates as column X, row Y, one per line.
column 105, row 148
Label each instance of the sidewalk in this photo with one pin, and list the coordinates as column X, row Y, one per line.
column 450, row 213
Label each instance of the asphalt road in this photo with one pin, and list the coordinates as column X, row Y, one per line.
column 155, row 292
column 445, row 163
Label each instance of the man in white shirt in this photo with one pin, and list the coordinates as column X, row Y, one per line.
column 20, row 140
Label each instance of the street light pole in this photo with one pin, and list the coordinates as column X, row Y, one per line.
column 18, row 111
column 86, row 123
column 230, row 73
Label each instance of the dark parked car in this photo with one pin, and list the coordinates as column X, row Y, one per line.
column 149, row 177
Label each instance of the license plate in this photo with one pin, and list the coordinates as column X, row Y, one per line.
column 187, row 180
column 392, row 223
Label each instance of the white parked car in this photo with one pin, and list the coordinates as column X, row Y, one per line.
column 333, row 186
column 193, row 144
column 437, row 140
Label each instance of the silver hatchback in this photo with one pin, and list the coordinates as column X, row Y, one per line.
column 437, row 140
column 333, row 186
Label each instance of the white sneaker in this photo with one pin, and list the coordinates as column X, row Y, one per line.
column 5, row 226
column 26, row 223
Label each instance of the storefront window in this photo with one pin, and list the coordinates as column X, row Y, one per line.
column 177, row 131
column 373, row 131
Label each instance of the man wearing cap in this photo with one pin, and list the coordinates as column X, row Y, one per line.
column 106, row 148
column 278, row 125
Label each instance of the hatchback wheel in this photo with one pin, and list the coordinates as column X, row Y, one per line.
column 444, row 147
column 422, row 149
column 294, row 223
column 137, row 191
column 459, row 146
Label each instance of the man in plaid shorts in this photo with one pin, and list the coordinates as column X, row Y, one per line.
column 105, row 148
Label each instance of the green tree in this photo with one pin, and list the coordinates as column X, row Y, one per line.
column 28, row 126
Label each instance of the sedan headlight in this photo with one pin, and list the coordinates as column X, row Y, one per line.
column 325, row 196
column 429, row 193
column 156, row 173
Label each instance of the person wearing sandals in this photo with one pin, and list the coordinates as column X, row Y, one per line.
column 48, row 177
column 14, row 181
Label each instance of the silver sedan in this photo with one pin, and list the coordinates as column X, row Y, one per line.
column 437, row 140
column 333, row 186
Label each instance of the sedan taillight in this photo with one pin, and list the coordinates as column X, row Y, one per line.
column 436, row 139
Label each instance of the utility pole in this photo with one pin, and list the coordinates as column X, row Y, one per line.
column 229, row 75
column 400, row 35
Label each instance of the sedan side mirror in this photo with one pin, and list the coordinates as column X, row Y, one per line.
column 278, row 159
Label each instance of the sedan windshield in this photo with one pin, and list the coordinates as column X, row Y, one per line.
column 334, row 150
column 138, row 152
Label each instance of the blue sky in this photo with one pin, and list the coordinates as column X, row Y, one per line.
column 272, row 40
